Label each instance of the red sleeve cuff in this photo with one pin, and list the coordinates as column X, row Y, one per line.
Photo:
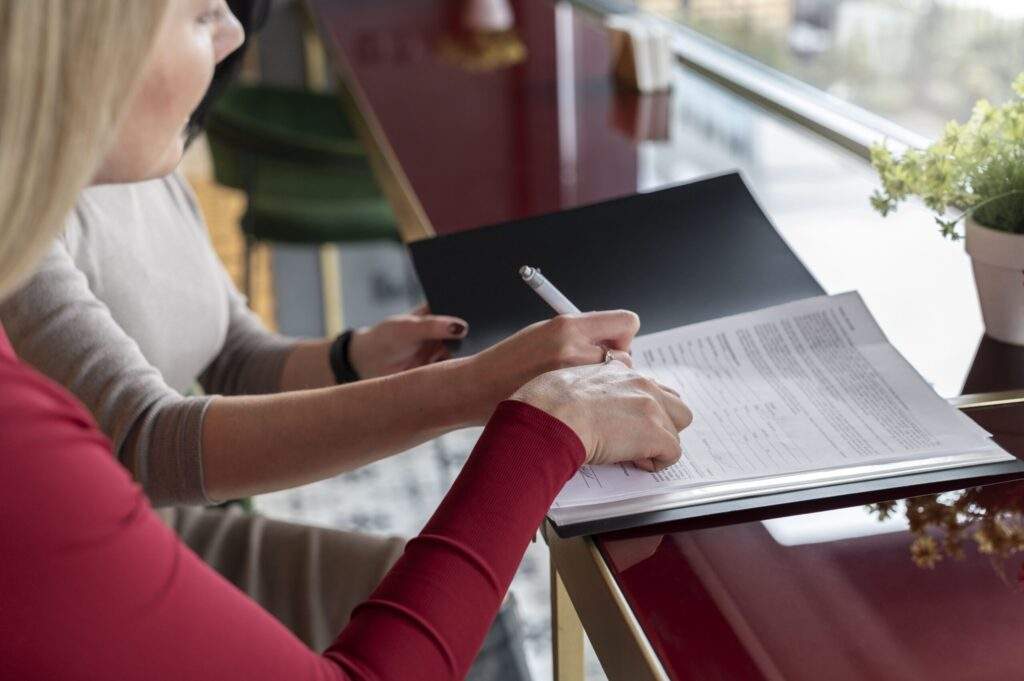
column 543, row 424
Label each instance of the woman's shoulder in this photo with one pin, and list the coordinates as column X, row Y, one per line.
column 31, row 404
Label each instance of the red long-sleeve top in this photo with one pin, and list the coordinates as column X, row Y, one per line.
column 94, row 586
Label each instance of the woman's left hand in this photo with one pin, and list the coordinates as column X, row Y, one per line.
column 403, row 342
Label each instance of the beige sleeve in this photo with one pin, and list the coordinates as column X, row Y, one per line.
column 252, row 359
column 60, row 327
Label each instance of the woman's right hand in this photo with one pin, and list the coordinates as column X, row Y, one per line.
column 618, row 414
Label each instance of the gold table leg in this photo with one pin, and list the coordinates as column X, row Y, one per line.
column 619, row 642
column 566, row 633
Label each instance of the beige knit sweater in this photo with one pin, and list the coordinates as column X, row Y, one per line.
column 131, row 307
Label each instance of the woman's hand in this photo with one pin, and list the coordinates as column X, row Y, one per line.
column 564, row 341
column 403, row 342
column 618, row 414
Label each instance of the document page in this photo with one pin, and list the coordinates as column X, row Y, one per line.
column 807, row 386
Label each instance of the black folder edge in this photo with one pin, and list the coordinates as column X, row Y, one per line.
column 798, row 502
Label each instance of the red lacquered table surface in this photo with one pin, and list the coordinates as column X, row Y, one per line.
column 923, row 588
column 477, row 147
column 841, row 594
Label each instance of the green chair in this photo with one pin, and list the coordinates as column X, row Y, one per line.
column 307, row 178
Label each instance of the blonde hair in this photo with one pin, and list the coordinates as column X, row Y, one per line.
column 67, row 68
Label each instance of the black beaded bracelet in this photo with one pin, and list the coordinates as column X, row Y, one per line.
column 340, row 364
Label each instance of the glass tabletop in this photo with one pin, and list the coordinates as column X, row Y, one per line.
column 925, row 587
column 865, row 593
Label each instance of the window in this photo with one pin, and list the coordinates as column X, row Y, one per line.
column 916, row 63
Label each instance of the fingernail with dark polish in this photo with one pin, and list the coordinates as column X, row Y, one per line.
column 457, row 329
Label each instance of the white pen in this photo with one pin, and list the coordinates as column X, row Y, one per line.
column 547, row 291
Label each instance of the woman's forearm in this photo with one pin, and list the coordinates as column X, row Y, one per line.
column 264, row 443
column 308, row 366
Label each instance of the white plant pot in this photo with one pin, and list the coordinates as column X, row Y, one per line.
column 998, row 260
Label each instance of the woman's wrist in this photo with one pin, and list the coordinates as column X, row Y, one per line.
column 475, row 393
column 554, row 397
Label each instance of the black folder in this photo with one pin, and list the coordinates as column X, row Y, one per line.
column 685, row 254
column 675, row 256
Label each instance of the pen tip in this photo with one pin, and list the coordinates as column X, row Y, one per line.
column 526, row 271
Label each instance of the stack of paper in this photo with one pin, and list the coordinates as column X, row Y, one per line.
column 800, row 395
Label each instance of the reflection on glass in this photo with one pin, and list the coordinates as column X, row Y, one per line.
column 916, row 62
column 992, row 517
column 486, row 40
column 831, row 526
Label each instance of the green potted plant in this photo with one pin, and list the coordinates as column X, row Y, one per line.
column 978, row 169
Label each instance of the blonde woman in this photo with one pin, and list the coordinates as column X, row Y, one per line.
column 130, row 307
column 93, row 586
